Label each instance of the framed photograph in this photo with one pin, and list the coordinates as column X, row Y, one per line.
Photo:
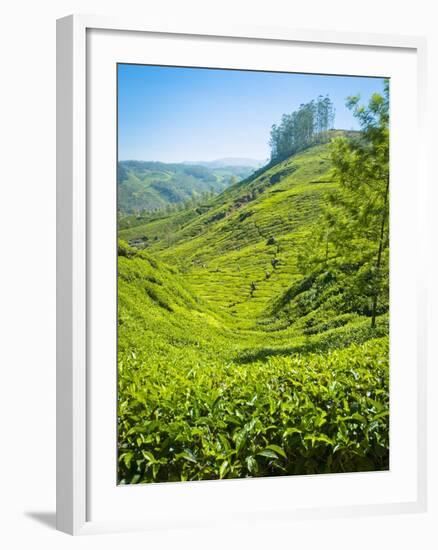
column 241, row 318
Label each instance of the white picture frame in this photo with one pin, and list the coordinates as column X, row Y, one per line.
column 75, row 395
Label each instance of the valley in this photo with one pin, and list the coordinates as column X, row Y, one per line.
column 158, row 186
column 248, row 340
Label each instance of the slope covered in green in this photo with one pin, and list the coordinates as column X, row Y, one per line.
column 236, row 357
column 148, row 186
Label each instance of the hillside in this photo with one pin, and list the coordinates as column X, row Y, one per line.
column 148, row 186
column 228, row 162
column 216, row 302
column 241, row 248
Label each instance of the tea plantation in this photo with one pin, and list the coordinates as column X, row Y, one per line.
column 246, row 346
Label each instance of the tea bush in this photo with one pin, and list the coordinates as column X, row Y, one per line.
column 304, row 414
column 225, row 372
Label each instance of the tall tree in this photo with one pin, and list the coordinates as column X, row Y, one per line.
column 298, row 130
column 358, row 216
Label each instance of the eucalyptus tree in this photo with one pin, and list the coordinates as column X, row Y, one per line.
column 307, row 125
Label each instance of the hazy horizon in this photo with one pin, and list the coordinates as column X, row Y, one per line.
column 193, row 161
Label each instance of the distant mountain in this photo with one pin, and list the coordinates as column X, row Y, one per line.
column 230, row 162
column 151, row 185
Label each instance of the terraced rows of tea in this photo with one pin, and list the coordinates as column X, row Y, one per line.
column 232, row 361
column 251, row 234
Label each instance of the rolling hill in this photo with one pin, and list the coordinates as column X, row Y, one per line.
column 218, row 313
column 149, row 186
column 232, row 162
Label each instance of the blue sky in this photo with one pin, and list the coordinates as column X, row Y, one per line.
column 174, row 114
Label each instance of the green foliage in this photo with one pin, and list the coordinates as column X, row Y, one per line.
column 289, row 415
column 145, row 187
column 354, row 228
column 244, row 342
column 306, row 126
